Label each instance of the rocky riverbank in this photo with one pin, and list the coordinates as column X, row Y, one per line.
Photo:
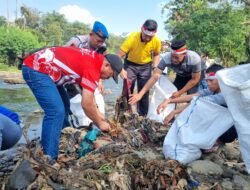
column 12, row 77
column 128, row 157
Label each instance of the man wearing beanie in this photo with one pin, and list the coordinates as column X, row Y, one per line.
column 188, row 66
column 142, row 52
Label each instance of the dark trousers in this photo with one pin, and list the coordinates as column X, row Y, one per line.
column 229, row 136
column 141, row 74
column 181, row 81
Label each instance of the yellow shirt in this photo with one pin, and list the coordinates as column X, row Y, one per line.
column 140, row 52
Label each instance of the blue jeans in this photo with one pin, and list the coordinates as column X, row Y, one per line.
column 55, row 103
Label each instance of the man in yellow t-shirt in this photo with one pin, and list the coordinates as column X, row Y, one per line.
column 142, row 52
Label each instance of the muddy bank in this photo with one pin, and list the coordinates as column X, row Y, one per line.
column 12, row 77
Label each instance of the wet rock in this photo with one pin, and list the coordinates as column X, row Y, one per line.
column 227, row 185
column 23, row 176
column 7, row 74
column 228, row 173
column 213, row 158
column 241, row 182
column 206, row 167
column 14, row 80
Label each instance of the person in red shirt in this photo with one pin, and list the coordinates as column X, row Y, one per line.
column 46, row 70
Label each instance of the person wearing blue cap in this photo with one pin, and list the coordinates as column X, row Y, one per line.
column 10, row 130
column 95, row 41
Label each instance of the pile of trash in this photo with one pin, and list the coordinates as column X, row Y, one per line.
column 128, row 157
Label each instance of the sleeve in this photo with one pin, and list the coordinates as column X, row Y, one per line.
column 165, row 61
column 196, row 64
column 162, row 65
column 89, row 81
column 74, row 41
column 126, row 46
column 205, row 92
column 216, row 98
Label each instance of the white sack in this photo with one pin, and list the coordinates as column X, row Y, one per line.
column 235, row 87
column 197, row 127
column 76, row 107
column 163, row 89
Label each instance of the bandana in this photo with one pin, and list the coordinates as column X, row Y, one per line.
column 147, row 32
column 180, row 51
column 210, row 76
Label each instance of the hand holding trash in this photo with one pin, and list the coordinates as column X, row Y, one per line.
column 104, row 126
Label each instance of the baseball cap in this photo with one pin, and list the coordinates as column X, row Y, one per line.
column 100, row 30
column 149, row 27
column 116, row 64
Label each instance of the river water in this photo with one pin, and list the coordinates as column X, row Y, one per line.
column 20, row 99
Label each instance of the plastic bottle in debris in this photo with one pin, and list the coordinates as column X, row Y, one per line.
column 87, row 144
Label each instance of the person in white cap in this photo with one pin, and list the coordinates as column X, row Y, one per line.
column 142, row 52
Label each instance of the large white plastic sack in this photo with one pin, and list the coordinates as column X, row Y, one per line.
column 163, row 89
column 76, row 107
column 197, row 127
column 235, row 87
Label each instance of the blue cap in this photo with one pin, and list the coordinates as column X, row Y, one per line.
column 100, row 30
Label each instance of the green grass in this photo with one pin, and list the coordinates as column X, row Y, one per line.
column 4, row 67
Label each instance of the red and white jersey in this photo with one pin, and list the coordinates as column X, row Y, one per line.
column 68, row 65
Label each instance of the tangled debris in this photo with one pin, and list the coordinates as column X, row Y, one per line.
column 128, row 157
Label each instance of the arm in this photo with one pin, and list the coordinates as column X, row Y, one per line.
column 136, row 97
column 100, row 86
column 190, row 84
column 92, row 111
column 123, row 74
column 73, row 42
column 121, row 54
column 182, row 99
column 172, row 114
column 156, row 60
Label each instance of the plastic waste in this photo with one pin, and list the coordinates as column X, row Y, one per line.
column 87, row 144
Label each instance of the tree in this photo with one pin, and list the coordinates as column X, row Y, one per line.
column 14, row 41
column 3, row 21
column 53, row 34
column 76, row 28
column 31, row 17
column 218, row 31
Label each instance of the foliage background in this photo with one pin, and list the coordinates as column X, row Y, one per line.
column 219, row 29
column 34, row 30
